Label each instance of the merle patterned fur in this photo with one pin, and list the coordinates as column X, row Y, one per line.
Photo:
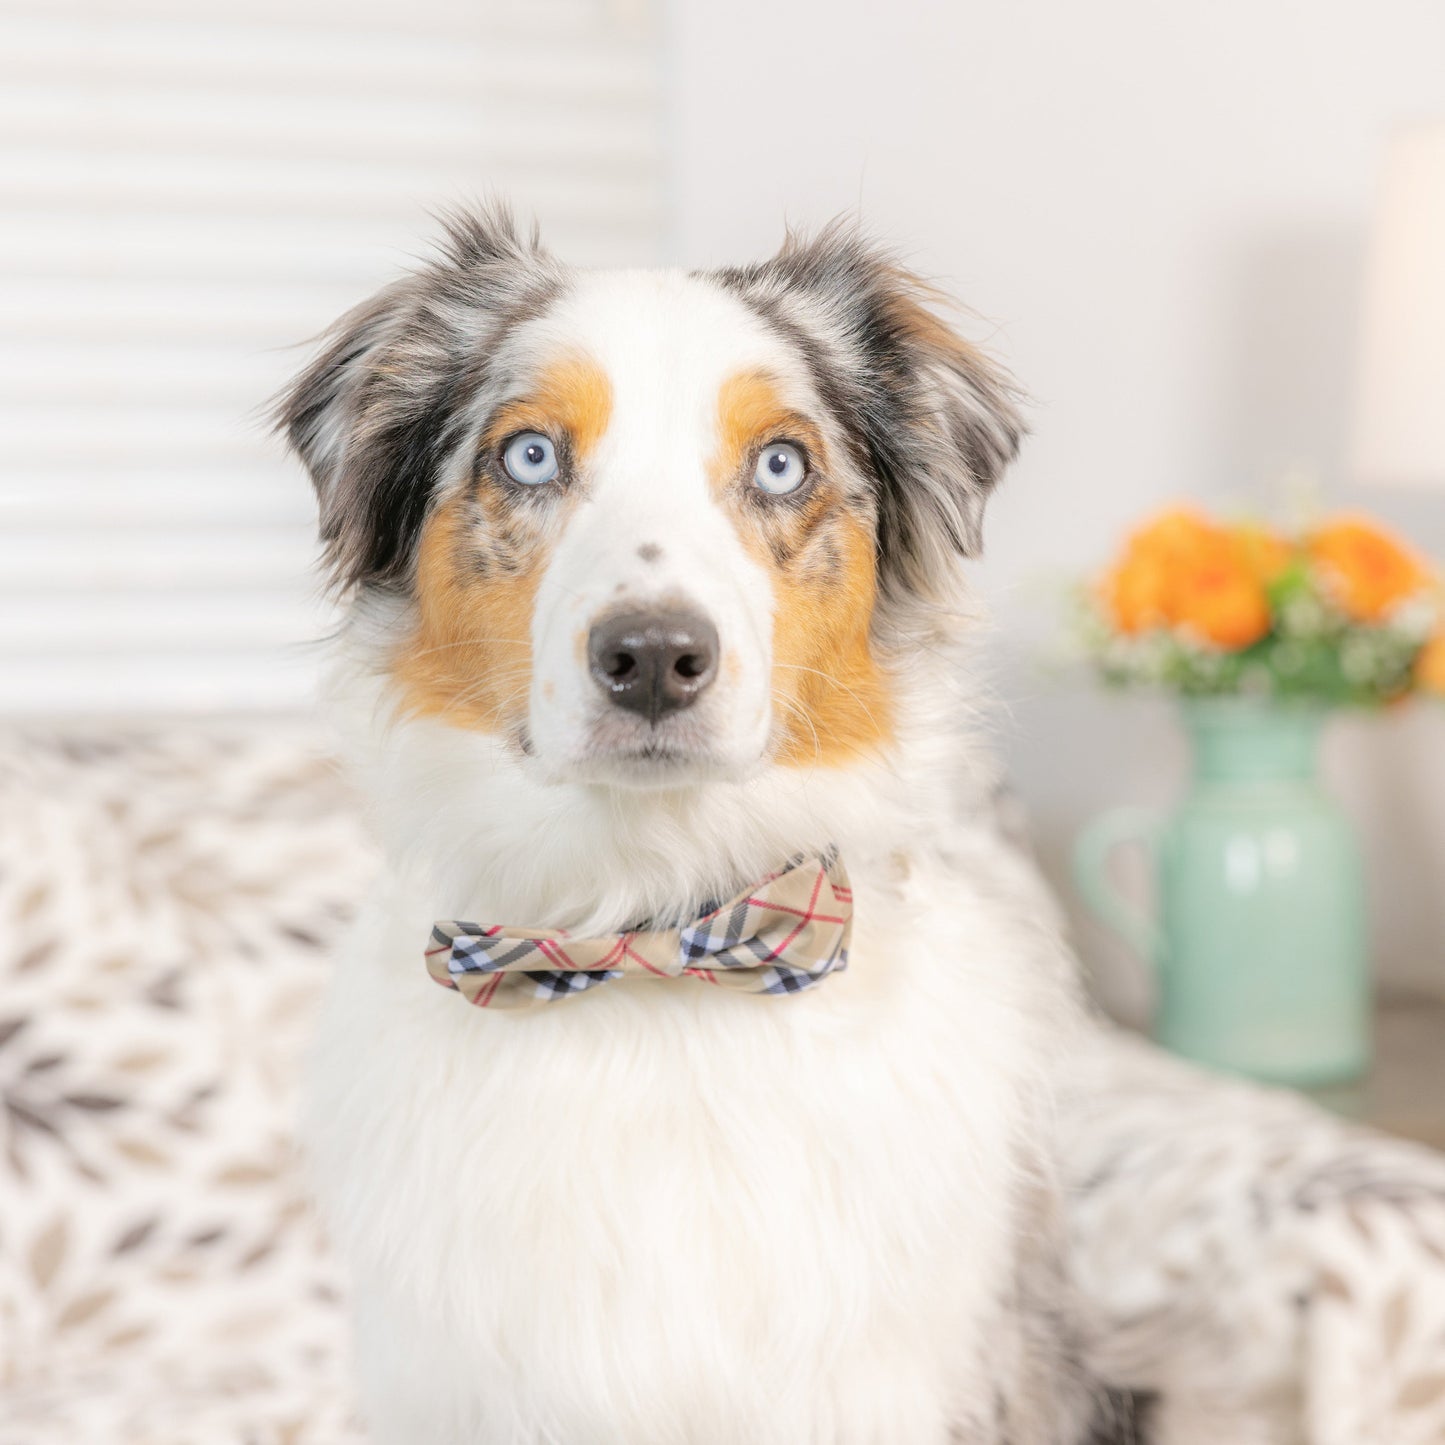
column 377, row 416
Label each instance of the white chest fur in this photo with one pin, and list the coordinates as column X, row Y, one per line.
column 657, row 1213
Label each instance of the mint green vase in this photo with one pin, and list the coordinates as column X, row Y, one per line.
column 1258, row 931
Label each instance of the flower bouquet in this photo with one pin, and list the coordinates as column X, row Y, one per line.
column 1258, row 931
column 1343, row 612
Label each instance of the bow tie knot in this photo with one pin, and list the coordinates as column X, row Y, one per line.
column 782, row 936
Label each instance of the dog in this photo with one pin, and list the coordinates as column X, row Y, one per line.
column 655, row 617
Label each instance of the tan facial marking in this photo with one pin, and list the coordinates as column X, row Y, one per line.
column 481, row 557
column 469, row 662
column 572, row 396
column 751, row 412
column 830, row 695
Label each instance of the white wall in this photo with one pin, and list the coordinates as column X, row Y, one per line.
column 1158, row 211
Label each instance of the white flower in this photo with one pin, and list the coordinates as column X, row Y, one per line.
column 1304, row 616
column 1360, row 657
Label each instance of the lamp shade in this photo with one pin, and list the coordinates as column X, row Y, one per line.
column 1400, row 426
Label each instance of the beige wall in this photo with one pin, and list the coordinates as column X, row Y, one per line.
column 1158, row 210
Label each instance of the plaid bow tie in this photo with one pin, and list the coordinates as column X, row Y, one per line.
column 784, row 935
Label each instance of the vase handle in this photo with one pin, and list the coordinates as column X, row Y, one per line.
column 1092, row 852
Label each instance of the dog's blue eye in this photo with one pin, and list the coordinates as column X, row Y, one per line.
column 530, row 459
column 780, row 469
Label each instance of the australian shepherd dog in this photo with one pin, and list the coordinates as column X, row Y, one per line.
column 655, row 600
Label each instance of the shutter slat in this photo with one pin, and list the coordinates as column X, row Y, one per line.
column 112, row 309
column 242, row 188
column 85, row 680
column 153, row 247
column 54, row 495
column 295, row 128
column 220, row 559
column 83, row 374
column 109, row 434
column 264, row 55
column 180, row 619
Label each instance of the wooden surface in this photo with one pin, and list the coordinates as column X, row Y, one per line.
column 1404, row 1091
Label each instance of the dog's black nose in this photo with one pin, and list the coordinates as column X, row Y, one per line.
column 653, row 663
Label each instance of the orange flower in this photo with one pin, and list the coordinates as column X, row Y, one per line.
column 1430, row 665
column 1218, row 593
column 1368, row 571
column 1181, row 570
column 1138, row 591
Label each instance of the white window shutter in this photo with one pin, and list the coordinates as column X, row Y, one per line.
column 189, row 189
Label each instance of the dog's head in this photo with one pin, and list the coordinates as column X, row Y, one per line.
column 650, row 527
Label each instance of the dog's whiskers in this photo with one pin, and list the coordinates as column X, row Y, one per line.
column 472, row 642
column 796, row 709
column 468, row 696
column 836, row 682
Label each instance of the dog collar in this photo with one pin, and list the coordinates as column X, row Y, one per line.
column 784, row 935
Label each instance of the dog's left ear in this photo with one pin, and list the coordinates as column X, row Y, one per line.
column 377, row 413
column 931, row 420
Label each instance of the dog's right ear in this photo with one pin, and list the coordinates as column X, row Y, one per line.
column 381, row 408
